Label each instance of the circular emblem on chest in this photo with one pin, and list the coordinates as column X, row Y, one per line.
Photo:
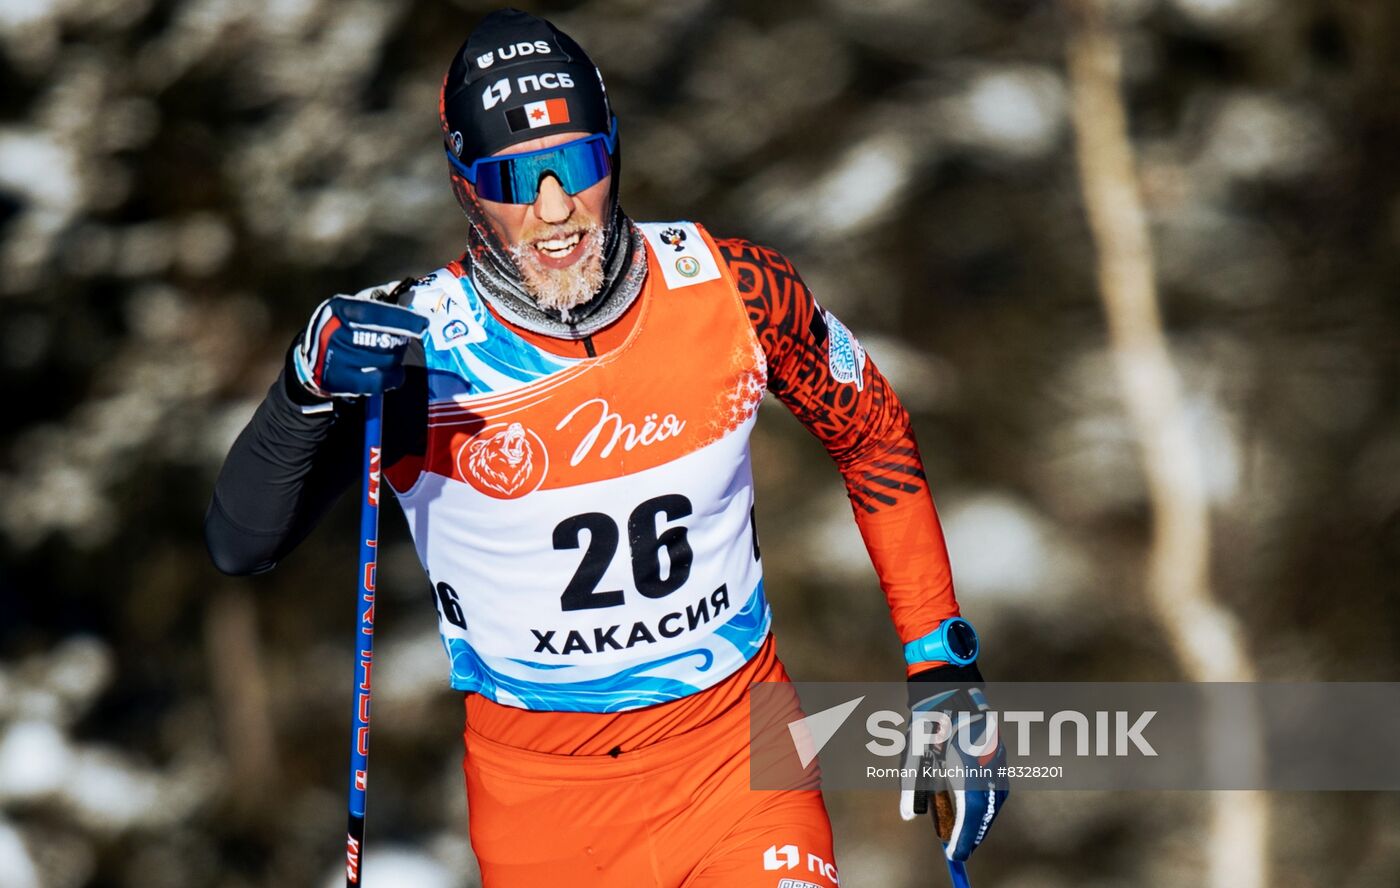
column 503, row 460
column 688, row 266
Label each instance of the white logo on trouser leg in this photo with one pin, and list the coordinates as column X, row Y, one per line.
column 771, row 861
column 788, row 857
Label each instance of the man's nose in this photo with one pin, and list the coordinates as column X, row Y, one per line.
column 554, row 204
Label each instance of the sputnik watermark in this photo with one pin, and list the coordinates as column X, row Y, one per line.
column 1078, row 735
column 1112, row 732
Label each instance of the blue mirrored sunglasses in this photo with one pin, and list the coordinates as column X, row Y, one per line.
column 515, row 178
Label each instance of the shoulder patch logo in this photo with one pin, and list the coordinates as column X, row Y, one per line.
column 504, row 461
column 684, row 256
column 845, row 357
column 453, row 330
column 451, row 322
column 673, row 237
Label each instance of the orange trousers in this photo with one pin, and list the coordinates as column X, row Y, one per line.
column 675, row 814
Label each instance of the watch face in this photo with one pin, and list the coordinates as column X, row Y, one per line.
column 962, row 639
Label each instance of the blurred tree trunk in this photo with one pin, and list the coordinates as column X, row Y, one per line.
column 240, row 697
column 1205, row 636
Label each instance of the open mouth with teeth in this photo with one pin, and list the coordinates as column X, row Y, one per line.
column 562, row 251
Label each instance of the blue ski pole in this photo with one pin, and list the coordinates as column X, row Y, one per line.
column 364, row 641
column 958, row 870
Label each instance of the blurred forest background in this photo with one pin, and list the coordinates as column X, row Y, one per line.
column 182, row 181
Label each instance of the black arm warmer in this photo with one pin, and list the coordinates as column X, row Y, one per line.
column 288, row 467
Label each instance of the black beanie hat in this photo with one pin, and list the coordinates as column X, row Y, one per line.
column 517, row 78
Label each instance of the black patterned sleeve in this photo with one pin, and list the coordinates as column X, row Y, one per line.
column 819, row 370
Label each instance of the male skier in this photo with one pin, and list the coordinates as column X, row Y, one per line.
column 566, row 428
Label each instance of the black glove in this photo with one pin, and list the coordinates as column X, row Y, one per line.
column 963, row 807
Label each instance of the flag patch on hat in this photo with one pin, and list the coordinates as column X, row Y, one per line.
column 533, row 115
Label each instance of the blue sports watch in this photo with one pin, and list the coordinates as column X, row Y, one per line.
column 954, row 641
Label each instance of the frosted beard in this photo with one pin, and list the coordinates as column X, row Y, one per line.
column 606, row 280
column 559, row 290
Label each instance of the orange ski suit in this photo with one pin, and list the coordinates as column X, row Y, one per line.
column 659, row 795
column 674, row 812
